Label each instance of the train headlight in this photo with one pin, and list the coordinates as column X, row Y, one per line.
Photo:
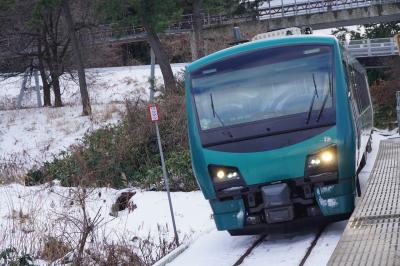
column 322, row 166
column 323, row 158
column 327, row 156
column 221, row 174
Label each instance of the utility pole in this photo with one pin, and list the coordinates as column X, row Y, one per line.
column 154, row 116
column 153, row 109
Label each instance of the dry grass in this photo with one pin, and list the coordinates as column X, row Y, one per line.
column 107, row 113
column 71, row 235
column 54, row 249
column 53, row 114
column 130, row 81
column 12, row 168
column 19, row 216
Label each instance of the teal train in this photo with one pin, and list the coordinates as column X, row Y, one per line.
column 278, row 131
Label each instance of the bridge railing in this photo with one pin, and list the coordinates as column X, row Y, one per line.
column 301, row 7
column 372, row 47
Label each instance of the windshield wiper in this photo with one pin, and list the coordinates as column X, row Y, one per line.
column 312, row 101
column 215, row 114
column 330, row 92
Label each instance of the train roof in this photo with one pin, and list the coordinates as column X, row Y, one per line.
column 297, row 39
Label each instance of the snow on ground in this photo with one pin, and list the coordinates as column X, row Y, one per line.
column 38, row 133
column 215, row 248
column 105, row 85
column 281, row 251
column 326, row 244
column 219, row 248
column 33, row 135
column 377, row 137
column 27, row 214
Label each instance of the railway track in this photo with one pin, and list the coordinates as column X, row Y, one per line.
column 250, row 249
column 265, row 239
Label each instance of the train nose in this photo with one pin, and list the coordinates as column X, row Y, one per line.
column 278, row 206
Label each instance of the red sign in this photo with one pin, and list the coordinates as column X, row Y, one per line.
column 153, row 110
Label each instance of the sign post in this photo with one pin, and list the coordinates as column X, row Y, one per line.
column 398, row 110
column 154, row 116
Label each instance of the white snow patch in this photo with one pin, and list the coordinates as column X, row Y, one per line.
column 326, row 244
column 42, row 205
column 284, row 251
column 328, row 202
column 105, row 85
column 215, row 248
column 377, row 137
column 326, row 189
column 34, row 135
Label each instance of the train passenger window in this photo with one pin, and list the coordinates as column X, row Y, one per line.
column 363, row 91
column 264, row 84
column 346, row 74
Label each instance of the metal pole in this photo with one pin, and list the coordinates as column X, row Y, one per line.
column 22, row 91
column 369, row 47
column 152, row 74
column 164, row 170
column 398, row 110
column 39, row 99
column 392, row 46
column 269, row 8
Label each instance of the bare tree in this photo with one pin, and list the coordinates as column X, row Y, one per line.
column 87, row 110
column 198, row 27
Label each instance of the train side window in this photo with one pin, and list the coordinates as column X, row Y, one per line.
column 346, row 74
column 352, row 87
column 363, row 86
column 357, row 90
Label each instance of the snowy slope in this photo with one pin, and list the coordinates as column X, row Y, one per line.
column 105, row 85
column 30, row 214
column 32, row 135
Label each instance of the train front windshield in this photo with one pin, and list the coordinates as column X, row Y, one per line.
column 264, row 84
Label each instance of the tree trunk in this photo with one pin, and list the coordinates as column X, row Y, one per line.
column 56, row 88
column 162, row 59
column 198, row 27
column 42, row 71
column 87, row 109
column 46, row 85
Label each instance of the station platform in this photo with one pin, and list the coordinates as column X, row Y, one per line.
column 372, row 235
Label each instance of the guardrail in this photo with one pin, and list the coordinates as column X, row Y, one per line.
column 372, row 47
column 301, row 7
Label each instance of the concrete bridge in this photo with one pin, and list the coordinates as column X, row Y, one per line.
column 318, row 14
column 373, row 53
